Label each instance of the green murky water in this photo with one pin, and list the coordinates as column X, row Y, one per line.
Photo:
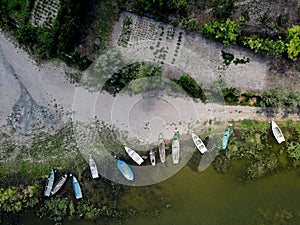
column 194, row 198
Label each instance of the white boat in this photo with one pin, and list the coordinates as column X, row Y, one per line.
column 93, row 168
column 175, row 149
column 162, row 148
column 152, row 156
column 199, row 143
column 135, row 156
column 277, row 132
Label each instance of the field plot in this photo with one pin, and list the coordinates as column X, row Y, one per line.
column 45, row 12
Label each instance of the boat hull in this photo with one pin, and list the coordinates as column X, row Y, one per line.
column 162, row 148
column 49, row 183
column 93, row 168
column 152, row 156
column 125, row 170
column 59, row 183
column 135, row 156
column 77, row 189
column 175, row 149
column 277, row 132
column 199, row 143
column 226, row 138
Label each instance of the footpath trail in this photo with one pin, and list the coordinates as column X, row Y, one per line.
column 47, row 89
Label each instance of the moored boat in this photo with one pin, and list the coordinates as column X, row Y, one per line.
column 59, row 183
column 93, row 167
column 175, row 149
column 199, row 143
column 76, row 186
column 162, row 148
column 125, row 170
column 152, row 156
column 277, row 132
column 226, row 137
column 49, row 183
column 135, row 156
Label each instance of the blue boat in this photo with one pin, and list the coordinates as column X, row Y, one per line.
column 76, row 186
column 226, row 137
column 125, row 170
column 175, row 149
column 49, row 183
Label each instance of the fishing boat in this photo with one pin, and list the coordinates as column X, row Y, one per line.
column 277, row 132
column 49, row 183
column 199, row 143
column 152, row 156
column 162, row 148
column 76, row 186
column 93, row 167
column 175, row 149
column 226, row 137
column 135, row 156
column 125, row 170
column 59, row 183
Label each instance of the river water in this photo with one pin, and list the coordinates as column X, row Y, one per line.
column 210, row 198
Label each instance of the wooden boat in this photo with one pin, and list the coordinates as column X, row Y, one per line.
column 49, row 183
column 76, row 186
column 136, row 157
column 93, row 167
column 162, row 148
column 59, row 183
column 199, row 143
column 226, row 137
column 175, row 149
column 152, row 156
column 125, row 170
column 277, row 132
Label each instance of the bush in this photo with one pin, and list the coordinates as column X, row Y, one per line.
column 293, row 42
column 227, row 32
column 191, row 87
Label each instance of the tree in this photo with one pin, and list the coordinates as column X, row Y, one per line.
column 293, row 42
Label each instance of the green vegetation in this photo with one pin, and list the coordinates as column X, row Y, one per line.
column 191, row 87
column 252, row 142
column 135, row 75
column 293, row 42
column 227, row 32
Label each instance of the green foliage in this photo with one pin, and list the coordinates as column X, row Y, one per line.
column 138, row 74
column 293, row 150
column 266, row 46
column 15, row 199
column 222, row 9
column 189, row 24
column 231, row 95
column 280, row 97
column 227, row 32
column 191, row 87
column 293, row 42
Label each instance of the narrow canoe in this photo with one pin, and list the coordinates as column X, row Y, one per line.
column 162, row 148
column 125, row 170
column 93, row 167
column 135, row 156
column 59, row 183
column 277, row 133
column 199, row 143
column 76, row 186
column 226, row 137
column 49, row 183
column 175, row 149
column 152, row 156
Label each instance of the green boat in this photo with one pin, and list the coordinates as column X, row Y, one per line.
column 49, row 183
column 226, row 137
column 175, row 149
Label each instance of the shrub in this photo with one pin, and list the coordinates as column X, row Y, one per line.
column 293, row 42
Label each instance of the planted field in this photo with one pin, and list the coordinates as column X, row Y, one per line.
column 45, row 12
